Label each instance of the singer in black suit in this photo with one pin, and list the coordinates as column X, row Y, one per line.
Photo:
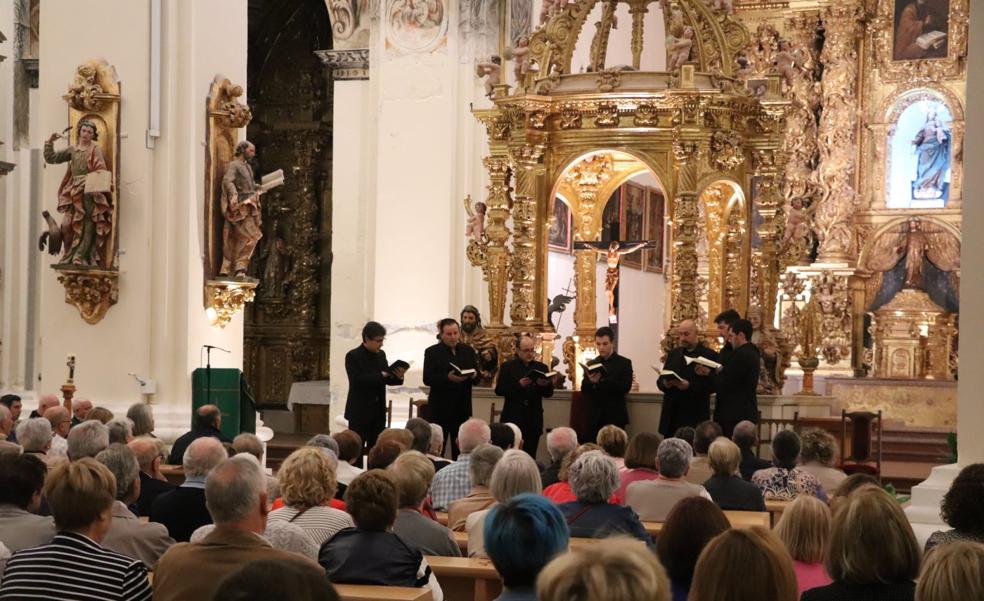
column 368, row 375
column 524, row 392
column 450, row 399
column 738, row 380
column 606, row 388
column 686, row 402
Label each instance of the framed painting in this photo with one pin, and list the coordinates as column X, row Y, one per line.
column 633, row 220
column 655, row 206
column 611, row 218
column 921, row 29
column 559, row 235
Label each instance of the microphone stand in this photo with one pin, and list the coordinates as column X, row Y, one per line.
column 208, row 371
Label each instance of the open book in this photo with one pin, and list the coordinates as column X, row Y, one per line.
column 272, row 180
column 462, row 372
column 703, row 361
column 536, row 374
column 593, row 367
column 400, row 364
column 933, row 39
column 666, row 373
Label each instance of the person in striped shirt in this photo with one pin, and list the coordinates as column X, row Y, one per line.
column 74, row 566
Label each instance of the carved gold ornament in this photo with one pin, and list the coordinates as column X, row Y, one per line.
column 91, row 291
column 726, row 151
column 882, row 41
column 224, row 299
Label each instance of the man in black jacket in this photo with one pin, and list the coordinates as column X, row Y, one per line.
column 208, row 420
column 449, row 401
column 686, row 402
column 605, row 388
column 738, row 380
column 723, row 322
column 368, row 375
column 524, row 384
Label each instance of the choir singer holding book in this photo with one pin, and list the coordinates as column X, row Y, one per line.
column 450, row 369
column 525, row 383
column 368, row 374
column 738, row 380
column 686, row 386
column 607, row 379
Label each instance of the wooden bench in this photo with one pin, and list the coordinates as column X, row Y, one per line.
column 738, row 519
column 462, row 539
column 369, row 592
column 174, row 473
column 466, row 578
column 776, row 509
column 442, row 517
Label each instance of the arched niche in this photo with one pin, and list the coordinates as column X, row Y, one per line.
column 726, row 220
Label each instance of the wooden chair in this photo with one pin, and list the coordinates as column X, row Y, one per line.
column 417, row 404
column 493, row 413
column 370, row 592
column 389, row 413
column 864, row 451
column 466, row 578
column 773, row 426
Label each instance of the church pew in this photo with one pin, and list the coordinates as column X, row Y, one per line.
column 738, row 519
column 466, row 578
column 442, row 517
column 368, row 592
column 174, row 473
column 462, row 539
column 776, row 509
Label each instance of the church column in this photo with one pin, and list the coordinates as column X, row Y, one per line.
column 527, row 288
column 767, row 165
column 683, row 284
column 838, row 132
column 587, row 178
column 497, row 255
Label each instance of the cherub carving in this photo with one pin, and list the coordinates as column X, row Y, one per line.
column 678, row 48
column 492, row 72
column 551, row 8
column 520, row 56
column 787, row 63
column 475, row 224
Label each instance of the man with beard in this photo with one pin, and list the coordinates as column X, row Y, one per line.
column 687, row 400
column 241, row 210
column 449, row 370
column 474, row 335
column 524, row 384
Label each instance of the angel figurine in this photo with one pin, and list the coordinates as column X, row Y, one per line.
column 492, row 72
column 679, row 49
column 519, row 55
column 475, row 224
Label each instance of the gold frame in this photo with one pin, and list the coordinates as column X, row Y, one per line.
column 882, row 43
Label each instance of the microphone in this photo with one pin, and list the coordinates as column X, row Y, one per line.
column 218, row 348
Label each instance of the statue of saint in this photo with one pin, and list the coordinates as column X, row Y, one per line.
column 241, row 210
column 474, row 335
column 933, row 147
column 914, row 249
column 774, row 354
column 87, row 215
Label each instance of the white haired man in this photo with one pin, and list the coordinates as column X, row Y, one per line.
column 560, row 442
column 150, row 455
column 61, row 422
column 183, row 509
column 454, row 482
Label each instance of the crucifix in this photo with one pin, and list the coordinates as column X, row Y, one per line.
column 614, row 251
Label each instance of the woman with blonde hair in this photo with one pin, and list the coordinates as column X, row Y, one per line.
column 873, row 554
column 729, row 490
column 307, row 486
column 613, row 441
column 744, row 565
column 614, row 569
column 817, row 456
column 805, row 530
column 953, row 572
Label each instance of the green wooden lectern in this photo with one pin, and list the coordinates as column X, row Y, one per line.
column 230, row 391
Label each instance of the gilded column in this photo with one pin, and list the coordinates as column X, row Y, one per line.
column 838, row 131
column 767, row 166
column 523, row 272
column 599, row 44
column 683, row 284
column 587, row 177
column 497, row 255
column 638, row 12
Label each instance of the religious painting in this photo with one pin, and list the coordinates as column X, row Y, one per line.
column 921, row 29
column 416, row 25
column 653, row 257
column 758, row 87
column 520, row 19
column 559, row 236
column 633, row 220
column 611, row 218
column 920, row 158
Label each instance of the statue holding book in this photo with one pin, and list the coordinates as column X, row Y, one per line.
column 241, row 210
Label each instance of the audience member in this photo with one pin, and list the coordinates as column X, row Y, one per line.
column 6, row 423
column 10, row 448
column 206, row 424
column 141, row 415
column 700, row 468
column 251, row 444
column 236, row 495
column 87, row 439
column 515, row 474
column 320, row 441
column 502, row 436
column 691, row 524
column 80, row 411
column 183, row 509
column 560, row 442
column 744, row 565
column 522, row 536
column 962, row 508
column 728, row 490
column 100, row 414
column 61, row 422
column 383, row 454
column 45, row 401
column 785, row 481
column 518, row 439
column 150, row 454
column 273, row 580
column 817, row 457
column 13, row 404
column 616, row 569
column 640, row 460
column 349, row 454
column 4, row 556
column 371, row 553
column 400, row 436
column 480, row 466
column 127, row 534
column 21, row 482
column 561, row 492
column 873, row 554
column 454, row 481
column 953, row 572
column 420, row 430
column 805, row 530
column 80, row 495
column 120, row 430
column 613, row 441
column 436, row 446
column 746, row 437
column 281, row 535
column 849, row 486
column 593, row 478
column 687, row 434
column 34, row 436
column 412, row 473
column 307, row 483
column 653, row 499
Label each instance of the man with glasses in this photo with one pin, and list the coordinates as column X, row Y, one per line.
column 368, row 374
column 524, row 383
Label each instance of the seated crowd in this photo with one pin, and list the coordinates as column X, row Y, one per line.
column 233, row 531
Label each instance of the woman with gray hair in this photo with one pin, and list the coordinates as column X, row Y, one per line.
column 653, row 499
column 142, row 417
column 120, row 430
column 593, row 478
column 515, row 474
column 480, row 467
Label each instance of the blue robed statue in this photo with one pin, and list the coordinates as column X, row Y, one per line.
column 933, row 148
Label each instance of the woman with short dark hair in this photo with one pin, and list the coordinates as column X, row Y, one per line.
column 640, row 460
column 962, row 508
column 785, row 481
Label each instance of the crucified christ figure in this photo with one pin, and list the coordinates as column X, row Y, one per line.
column 613, row 251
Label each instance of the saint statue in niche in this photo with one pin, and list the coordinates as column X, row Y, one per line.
column 241, row 210
column 921, row 28
column 933, row 148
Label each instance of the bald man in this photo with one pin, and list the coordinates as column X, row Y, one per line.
column 686, row 401
column 80, row 409
column 45, row 402
column 207, row 424
column 150, row 455
column 61, row 422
